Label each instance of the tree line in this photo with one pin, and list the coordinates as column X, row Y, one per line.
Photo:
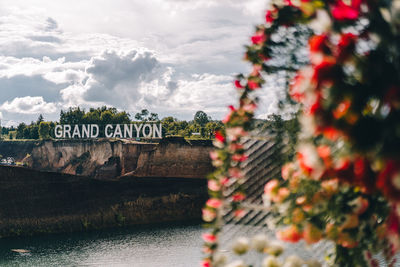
column 202, row 125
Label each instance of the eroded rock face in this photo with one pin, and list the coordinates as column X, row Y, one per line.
column 108, row 159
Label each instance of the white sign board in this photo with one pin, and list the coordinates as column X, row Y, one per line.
column 136, row 130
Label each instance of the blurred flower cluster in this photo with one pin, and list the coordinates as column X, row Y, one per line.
column 344, row 182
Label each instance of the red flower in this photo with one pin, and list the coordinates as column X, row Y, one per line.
column 318, row 43
column 238, row 197
column 253, row 85
column 324, row 71
column 389, row 180
column 209, row 238
column 206, row 263
column 290, row 234
column 269, row 16
column 296, row 91
column 341, row 109
column 342, row 11
column 346, row 45
column 258, row 38
column 238, row 85
column 239, row 158
column 219, row 136
column 214, row 203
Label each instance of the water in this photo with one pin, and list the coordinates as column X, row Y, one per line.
column 139, row 246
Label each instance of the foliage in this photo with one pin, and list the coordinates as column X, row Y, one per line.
column 44, row 130
column 343, row 182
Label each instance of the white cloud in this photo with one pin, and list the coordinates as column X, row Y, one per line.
column 173, row 57
column 28, row 105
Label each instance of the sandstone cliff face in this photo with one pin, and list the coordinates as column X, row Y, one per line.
column 33, row 202
column 108, row 159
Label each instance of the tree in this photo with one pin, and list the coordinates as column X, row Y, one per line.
column 72, row 116
column 40, row 119
column 20, row 131
column 142, row 116
column 201, row 118
column 44, row 130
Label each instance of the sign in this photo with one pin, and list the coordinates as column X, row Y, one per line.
column 136, row 130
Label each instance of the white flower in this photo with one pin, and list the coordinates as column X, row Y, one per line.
column 271, row 261
column 321, row 23
column 259, row 242
column 274, row 248
column 237, row 263
column 219, row 259
column 241, row 245
column 293, row 261
column 313, row 263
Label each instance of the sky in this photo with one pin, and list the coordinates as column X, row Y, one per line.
column 172, row 57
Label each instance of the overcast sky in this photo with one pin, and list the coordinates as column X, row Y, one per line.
column 173, row 57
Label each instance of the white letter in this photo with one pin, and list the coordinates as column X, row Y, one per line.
column 105, row 131
column 58, row 133
column 157, row 130
column 67, row 130
column 92, row 127
column 118, row 131
column 127, row 131
column 85, row 130
column 144, row 130
column 76, row 132
column 138, row 129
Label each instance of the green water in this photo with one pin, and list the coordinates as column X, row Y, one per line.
column 160, row 245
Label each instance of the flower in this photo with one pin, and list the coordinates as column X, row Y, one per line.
column 235, row 173
column 258, row 38
column 287, row 170
column 240, row 213
column 341, row 109
column 219, row 137
column 253, row 85
column 293, row 261
column 311, row 234
column 214, row 203
column 208, row 215
column 239, row 157
column 219, row 259
column 346, row 46
column 213, row 185
column 241, row 245
column 235, row 132
column 291, row 234
column 259, row 242
column 297, row 215
column 271, row 261
column 313, row 263
column 274, row 248
column 209, row 238
column 389, row 180
column 270, row 16
column 359, row 204
column 342, row 11
column 237, row 263
column 238, row 85
column 206, row 263
column 345, row 240
column 238, row 197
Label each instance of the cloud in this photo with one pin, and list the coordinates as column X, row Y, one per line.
column 28, row 105
column 173, row 57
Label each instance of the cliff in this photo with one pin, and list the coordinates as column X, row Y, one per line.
column 46, row 202
column 108, row 159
